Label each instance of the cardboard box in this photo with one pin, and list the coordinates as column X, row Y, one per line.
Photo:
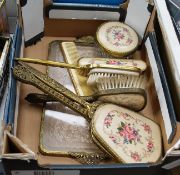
column 21, row 153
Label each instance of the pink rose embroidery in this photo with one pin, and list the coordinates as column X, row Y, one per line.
column 150, row 146
column 136, row 156
column 129, row 41
column 118, row 35
column 147, row 128
column 113, row 139
column 126, row 134
column 129, row 133
column 114, row 62
column 108, row 120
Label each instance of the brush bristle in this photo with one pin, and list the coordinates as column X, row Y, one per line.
column 121, row 81
column 96, row 75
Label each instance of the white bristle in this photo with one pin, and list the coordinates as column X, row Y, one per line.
column 121, row 81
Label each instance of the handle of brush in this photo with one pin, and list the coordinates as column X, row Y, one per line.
column 44, row 98
column 39, row 98
column 29, row 75
column 48, row 63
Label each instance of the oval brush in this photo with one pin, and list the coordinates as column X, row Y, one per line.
column 123, row 91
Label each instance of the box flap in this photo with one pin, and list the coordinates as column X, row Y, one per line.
column 14, row 148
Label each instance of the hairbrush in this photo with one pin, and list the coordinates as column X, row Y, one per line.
column 125, row 135
column 131, row 94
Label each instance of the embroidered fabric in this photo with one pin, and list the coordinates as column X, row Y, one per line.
column 131, row 137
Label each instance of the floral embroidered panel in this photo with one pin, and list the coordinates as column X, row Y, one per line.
column 132, row 138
